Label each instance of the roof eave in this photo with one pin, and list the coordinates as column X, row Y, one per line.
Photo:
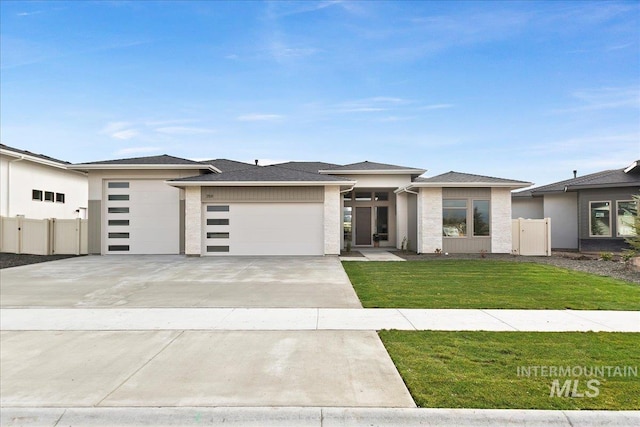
column 589, row 186
column 35, row 159
column 144, row 167
column 417, row 172
column 257, row 183
column 511, row 185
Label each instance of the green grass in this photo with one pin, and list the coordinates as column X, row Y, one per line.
column 480, row 369
column 486, row 284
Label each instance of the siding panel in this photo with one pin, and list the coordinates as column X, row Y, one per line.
column 263, row 194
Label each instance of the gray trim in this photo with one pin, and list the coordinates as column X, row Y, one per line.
column 94, row 214
column 262, row 194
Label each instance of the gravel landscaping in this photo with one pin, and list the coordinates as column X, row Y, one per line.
column 14, row 260
column 587, row 263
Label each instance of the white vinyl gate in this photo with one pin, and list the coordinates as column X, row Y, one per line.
column 531, row 237
column 43, row 236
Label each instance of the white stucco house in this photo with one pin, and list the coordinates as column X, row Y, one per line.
column 169, row 205
column 37, row 186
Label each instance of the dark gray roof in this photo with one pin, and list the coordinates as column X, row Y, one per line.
column 369, row 166
column 262, row 173
column 226, row 165
column 29, row 153
column 609, row 178
column 460, row 177
column 312, row 167
column 164, row 159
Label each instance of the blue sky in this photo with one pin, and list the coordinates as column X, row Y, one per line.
column 523, row 90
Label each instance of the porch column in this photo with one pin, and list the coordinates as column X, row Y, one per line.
column 402, row 218
column 429, row 220
column 501, row 220
column 332, row 219
column 193, row 221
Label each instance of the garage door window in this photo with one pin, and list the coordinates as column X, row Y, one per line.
column 217, row 248
column 118, row 222
column 212, row 208
column 118, row 185
column 118, row 197
column 118, row 248
column 217, row 221
column 217, row 235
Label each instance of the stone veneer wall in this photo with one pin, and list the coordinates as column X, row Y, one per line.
column 332, row 220
column 429, row 220
column 193, row 221
column 500, row 220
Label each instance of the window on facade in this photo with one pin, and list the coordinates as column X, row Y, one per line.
column 600, row 219
column 382, row 196
column 454, row 218
column 119, row 197
column 363, row 196
column 217, row 235
column 118, row 235
column 347, row 221
column 218, row 221
column 60, row 197
column 347, row 195
column 480, row 217
column 48, row 196
column 382, row 222
column 36, row 195
column 118, row 185
column 217, row 208
column 118, row 210
column 627, row 213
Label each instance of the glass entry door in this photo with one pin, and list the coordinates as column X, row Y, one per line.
column 363, row 226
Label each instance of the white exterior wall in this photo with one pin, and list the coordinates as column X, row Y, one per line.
column 500, row 220
column 332, row 220
column 429, row 220
column 527, row 207
column 402, row 218
column 19, row 178
column 563, row 210
column 193, row 221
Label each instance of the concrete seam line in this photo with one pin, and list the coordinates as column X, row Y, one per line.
column 568, row 418
column 403, row 315
column 500, row 320
column 317, row 317
column 60, row 417
column 140, row 368
column 575, row 314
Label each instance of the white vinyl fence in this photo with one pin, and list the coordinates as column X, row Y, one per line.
column 531, row 237
column 43, row 236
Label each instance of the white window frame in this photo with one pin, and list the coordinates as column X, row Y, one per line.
column 591, row 202
column 618, row 217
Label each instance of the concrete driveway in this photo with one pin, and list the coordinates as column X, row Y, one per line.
column 193, row 366
column 177, row 281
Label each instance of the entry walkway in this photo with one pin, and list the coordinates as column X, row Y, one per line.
column 373, row 255
column 307, row 319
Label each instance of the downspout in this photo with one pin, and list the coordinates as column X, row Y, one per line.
column 9, row 184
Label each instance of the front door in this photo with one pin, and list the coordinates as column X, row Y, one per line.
column 363, row 226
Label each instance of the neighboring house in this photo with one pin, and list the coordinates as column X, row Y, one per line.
column 588, row 213
column 168, row 205
column 37, row 186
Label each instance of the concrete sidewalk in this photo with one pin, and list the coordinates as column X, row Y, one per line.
column 312, row 417
column 299, row 319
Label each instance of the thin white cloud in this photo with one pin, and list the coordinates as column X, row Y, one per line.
column 183, row 130
column 259, row 117
column 137, row 150
column 120, row 130
column 35, row 12
column 436, row 107
column 125, row 134
column 604, row 99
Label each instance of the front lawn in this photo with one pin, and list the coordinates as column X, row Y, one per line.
column 486, row 284
column 485, row 369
